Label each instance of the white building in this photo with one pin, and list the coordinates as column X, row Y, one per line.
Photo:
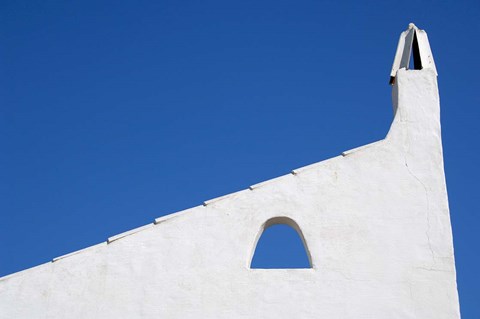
column 374, row 220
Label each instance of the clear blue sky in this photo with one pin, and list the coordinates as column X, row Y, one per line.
column 114, row 113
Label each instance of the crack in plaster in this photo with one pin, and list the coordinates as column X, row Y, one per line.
column 427, row 233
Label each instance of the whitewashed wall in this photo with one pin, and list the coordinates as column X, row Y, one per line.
column 375, row 220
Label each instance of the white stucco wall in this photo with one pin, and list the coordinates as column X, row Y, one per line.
column 375, row 220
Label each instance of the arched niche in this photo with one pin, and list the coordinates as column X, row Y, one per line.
column 287, row 221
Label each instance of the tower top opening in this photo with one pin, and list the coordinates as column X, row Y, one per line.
column 414, row 43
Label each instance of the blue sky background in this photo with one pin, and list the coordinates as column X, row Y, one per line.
column 114, row 113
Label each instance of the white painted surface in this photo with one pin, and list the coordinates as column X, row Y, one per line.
column 375, row 221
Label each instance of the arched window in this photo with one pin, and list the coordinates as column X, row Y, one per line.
column 280, row 244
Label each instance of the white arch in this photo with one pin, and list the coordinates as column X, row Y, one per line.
column 280, row 220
